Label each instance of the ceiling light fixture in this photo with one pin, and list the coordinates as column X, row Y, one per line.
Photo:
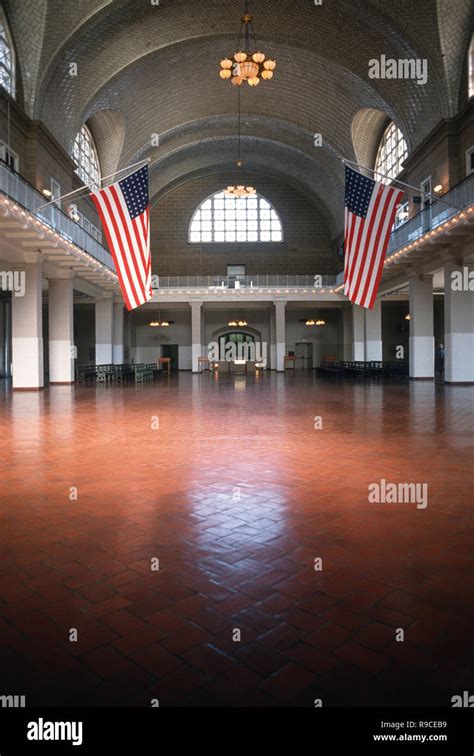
column 246, row 65
column 159, row 323
column 314, row 322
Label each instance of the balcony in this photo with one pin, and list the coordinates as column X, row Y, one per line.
column 26, row 196
column 461, row 197
column 248, row 283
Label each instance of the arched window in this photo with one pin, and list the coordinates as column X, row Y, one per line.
column 470, row 68
column 392, row 152
column 226, row 219
column 7, row 57
column 86, row 158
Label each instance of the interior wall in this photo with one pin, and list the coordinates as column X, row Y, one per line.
column 84, row 333
column 326, row 340
column 396, row 330
column 146, row 342
column 306, row 248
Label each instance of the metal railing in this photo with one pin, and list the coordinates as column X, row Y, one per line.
column 21, row 192
column 462, row 195
column 243, row 282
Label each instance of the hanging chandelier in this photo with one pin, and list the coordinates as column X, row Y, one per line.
column 247, row 65
column 159, row 323
column 238, row 191
column 238, row 322
column 312, row 322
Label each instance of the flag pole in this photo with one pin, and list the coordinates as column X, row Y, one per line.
column 402, row 183
column 87, row 186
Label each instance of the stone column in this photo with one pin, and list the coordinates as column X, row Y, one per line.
column 421, row 327
column 104, row 313
column 358, row 333
column 27, row 327
column 458, row 323
column 373, row 332
column 61, row 328
column 272, row 340
column 280, row 330
column 118, row 333
column 196, row 337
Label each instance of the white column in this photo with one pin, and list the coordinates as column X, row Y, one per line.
column 373, row 332
column 421, row 327
column 346, row 334
column 280, row 330
column 61, row 328
column 358, row 333
column 272, row 339
column 104, row 312
column 117, row 348
column 458, row 324
column 196, row 334
column 27, row 328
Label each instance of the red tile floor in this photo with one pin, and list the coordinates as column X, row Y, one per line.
column 236, row 493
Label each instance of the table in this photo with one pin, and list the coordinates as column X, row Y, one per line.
column 165, row 361
column 203, row 362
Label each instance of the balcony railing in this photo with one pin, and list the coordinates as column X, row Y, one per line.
column 461, row 196
column 244, row 282
column 21, row 192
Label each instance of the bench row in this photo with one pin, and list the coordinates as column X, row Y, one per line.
column 373, row 368
column 117, row 373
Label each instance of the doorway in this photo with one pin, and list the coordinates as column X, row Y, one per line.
column 171, row 351
column 304, row 355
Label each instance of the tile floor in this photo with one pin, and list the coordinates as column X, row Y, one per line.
column 236, row 494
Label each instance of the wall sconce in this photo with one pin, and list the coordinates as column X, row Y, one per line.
column 438, row 188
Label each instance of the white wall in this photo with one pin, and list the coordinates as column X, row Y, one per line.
column 326, row 339
column 257, row 320
column 146, row 342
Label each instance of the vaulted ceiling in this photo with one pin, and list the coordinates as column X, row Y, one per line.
column 146, row 69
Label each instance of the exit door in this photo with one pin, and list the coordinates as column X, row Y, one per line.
column 304, row 356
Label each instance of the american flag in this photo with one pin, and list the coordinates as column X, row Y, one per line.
column 370, row 209
column 125, row 214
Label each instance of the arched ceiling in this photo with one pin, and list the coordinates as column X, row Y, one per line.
column 148, row 69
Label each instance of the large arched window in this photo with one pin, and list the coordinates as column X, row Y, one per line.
column 226, row 219
column 7, row 57
column 392, row 152
column 86, row 158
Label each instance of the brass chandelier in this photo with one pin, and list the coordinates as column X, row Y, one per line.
column 159, row 323
column 247, row 65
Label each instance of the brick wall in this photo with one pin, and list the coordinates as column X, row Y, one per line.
column 306, row 248
column 442, row 155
